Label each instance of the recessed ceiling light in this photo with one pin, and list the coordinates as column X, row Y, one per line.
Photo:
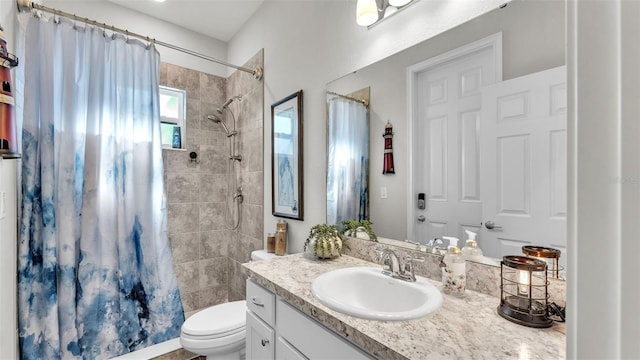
column 159, row 0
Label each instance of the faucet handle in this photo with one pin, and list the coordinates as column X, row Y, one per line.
column 379, row 253
column 408, row 272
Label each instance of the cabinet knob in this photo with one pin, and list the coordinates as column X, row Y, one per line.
column 264, row 342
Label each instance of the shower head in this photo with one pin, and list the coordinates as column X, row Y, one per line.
column 217, row 119
column 226, row 104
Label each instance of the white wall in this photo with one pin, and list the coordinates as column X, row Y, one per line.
column 8, row 259
column 309, row 43
column 604, row 179
column 118, row 16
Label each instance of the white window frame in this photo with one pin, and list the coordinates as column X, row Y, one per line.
column 182, row 114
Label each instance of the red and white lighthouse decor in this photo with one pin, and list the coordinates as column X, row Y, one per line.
column 387, row 167
column 8, row 136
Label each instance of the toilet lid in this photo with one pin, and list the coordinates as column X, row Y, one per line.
column 218, row 320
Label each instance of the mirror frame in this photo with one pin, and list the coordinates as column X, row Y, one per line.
column 293, row 104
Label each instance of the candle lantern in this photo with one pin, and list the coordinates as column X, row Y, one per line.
column 524, row 291
column 387, row 167
column 549, row 255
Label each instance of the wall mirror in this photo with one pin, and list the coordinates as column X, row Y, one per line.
column 286, row 157
column 532, row 41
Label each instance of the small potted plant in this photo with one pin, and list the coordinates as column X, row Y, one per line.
column 325, row 241
column 360, row 229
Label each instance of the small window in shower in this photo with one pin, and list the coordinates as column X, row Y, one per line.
column 173, row 104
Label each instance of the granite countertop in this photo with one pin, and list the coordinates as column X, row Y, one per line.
column 467, row 327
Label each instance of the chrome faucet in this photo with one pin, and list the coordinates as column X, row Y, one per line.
column 392, row 266
column 390, row 262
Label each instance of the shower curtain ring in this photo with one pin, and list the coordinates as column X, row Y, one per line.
column 56, row 20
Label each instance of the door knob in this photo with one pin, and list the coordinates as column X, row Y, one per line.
column 421, row 218
column 492, row 225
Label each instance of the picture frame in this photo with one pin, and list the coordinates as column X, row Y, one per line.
column 286, row 157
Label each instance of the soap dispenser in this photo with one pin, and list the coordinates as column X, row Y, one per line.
column 471, row 251
column 454, row 276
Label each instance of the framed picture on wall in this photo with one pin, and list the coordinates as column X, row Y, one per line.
column 286, row 157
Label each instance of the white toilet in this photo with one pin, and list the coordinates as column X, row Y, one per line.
column 219, row 332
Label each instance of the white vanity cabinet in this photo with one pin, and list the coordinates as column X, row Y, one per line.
column 277, row 330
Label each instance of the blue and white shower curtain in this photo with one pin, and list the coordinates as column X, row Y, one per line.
column 95, row 268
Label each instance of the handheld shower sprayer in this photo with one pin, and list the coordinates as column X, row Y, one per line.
column 217, row 119
column 220, row 110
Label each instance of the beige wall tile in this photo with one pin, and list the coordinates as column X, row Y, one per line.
column 202, row 245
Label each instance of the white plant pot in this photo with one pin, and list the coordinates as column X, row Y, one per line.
column 331, row 250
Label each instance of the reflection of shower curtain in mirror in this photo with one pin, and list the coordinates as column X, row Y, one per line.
column 347, row 161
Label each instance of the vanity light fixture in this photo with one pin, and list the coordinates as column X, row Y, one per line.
column 369, row 12
column 366, row 12
column 524, row 291
column 549, row 255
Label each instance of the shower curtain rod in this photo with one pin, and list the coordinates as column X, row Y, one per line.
column 27, row 5
column 364, row 102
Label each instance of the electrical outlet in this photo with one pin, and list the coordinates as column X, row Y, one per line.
column 383, row 192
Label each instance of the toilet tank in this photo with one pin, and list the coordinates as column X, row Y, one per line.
column 258, row 255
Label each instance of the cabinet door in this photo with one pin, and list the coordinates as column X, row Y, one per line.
column 311, row 338
column 286, row 351
column 260, row 339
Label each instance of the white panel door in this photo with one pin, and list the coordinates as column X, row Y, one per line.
column 448, row 160
column 523, row 163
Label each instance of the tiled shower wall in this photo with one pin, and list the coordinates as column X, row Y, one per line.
column 250, row 117
column 206, row 253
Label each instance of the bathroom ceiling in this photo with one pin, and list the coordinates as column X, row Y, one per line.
column 219, row 19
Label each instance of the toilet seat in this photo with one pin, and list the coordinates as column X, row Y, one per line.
column 216, row 322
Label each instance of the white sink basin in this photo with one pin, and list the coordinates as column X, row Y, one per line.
column 366, row 293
